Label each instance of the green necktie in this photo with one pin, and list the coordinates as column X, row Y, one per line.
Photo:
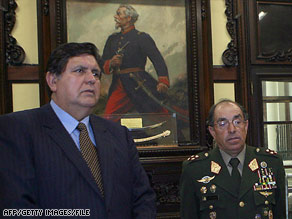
column 235, row 175
column 90, row 155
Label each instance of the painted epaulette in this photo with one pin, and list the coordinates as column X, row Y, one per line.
column 139, row 32
column 265, row 151
column 197, row 157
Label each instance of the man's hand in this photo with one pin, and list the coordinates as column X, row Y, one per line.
column 162, row 88
column 116, row 61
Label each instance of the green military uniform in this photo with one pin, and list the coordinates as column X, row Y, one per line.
column 206, row 187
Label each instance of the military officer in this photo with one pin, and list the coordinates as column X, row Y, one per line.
column 125, row 55
column 233, row 180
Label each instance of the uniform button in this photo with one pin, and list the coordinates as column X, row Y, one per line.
column 266, row 213
column 266, row 202
column 241, row 204
column 211, row 207
column 203, row 190
column 213, row 188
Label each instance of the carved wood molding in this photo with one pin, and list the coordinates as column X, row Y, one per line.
column 203, row 9
column 195, row 79
column 278, row 56
column 167, row 193
column 14, row 53
column 265, row 51
column 59, row 22
column 46, row 7
column 230, row 55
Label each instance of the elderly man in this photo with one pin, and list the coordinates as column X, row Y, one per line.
column 61, row 159
column 233, row 180
column 125, row 54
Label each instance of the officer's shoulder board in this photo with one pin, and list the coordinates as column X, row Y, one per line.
column 266, row 152
column 198, row 157
column 139, row 32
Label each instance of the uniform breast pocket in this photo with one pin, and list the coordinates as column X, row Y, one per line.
column 266, row 197
column 211, row 202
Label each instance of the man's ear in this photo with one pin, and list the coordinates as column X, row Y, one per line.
column 51, row 79
column 212, row 131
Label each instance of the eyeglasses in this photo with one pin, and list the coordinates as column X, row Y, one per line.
column 224, row 124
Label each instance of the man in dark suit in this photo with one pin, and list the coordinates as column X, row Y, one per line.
column 233, row 180
column 45, row 163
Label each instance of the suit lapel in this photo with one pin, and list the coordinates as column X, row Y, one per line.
column 223, row 179
column 61, row 137
column 106, row 152
column 249, row 178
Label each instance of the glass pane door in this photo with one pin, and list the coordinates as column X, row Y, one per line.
column 277, row 116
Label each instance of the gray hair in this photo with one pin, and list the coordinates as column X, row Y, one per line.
column 131, row 12
column 210, row 119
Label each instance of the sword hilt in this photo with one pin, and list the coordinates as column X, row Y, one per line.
column 140, row 84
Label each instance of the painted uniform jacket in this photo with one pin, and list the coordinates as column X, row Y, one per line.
column 137, row 47
column 206, row 187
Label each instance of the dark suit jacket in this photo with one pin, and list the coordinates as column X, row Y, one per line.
column 198, row 202
column 41, row 167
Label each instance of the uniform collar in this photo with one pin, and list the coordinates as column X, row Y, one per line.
column 226, row 157
column 127, row 30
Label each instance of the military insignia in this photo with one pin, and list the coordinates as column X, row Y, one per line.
column 267, row 180
column 271, row 214
column 212, row 215
column 193, row 157
column 206, row 179
column 253, row 165
column 203, row 190
column 266, row 194
column 215, row 167
column 213, row 188
column 271, row 151
column 264, row 164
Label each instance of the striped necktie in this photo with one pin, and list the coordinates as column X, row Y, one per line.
column 90, row 155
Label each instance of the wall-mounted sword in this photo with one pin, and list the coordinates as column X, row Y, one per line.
column 163, row 134
column 147, row 127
